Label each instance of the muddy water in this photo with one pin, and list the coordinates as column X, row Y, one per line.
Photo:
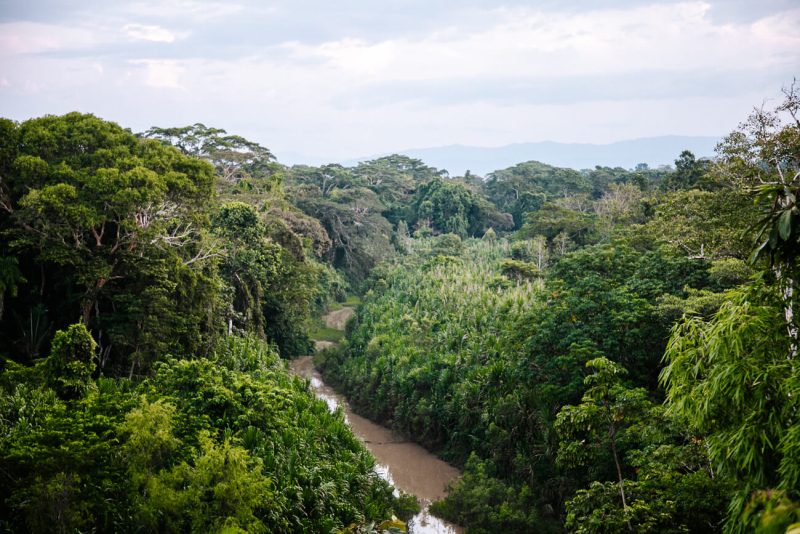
column 404, row 464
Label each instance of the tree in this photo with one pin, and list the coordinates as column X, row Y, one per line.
column 234, row 158
column 527, row 186
column 705, row 224
column 269, row 248
column 95, row 216
column 10, row 278
column 451, row 207
column 250, row 266
column 552, row 219
column 765, row 155
column 602, row 178
column 735, row 377
column 69, row 368
column 671, row 486
column 360, row 236
column 621, row 204
column 689, row 173
column 562, row 243
column 520, row 270
column 595, row 428
column 394, row 179
column 534, row 250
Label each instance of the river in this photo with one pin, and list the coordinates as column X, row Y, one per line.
column 404, row 464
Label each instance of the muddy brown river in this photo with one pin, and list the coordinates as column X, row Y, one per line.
column 406, row 465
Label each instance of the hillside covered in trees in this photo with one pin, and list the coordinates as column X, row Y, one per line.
column 623, row 361
column 604, row 350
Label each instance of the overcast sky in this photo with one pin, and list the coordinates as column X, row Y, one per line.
column 349, row 78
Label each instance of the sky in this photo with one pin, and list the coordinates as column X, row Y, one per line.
column 348, row 78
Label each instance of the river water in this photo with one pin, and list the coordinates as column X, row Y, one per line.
column 404, row 464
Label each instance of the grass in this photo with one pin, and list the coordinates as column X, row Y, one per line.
column 320, row 332
column 352, row 300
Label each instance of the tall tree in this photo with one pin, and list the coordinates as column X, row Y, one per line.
column 596, row 427
column 527, row 186
column 689, row 173
column 735, row 377
column 234, row 157
column 94, row 215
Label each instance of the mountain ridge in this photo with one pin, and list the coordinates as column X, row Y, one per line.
column 655, row 151
column 458, row 158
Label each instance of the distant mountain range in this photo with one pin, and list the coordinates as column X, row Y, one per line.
column 655, row 151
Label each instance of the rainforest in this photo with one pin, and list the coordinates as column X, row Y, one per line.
column 595, row 351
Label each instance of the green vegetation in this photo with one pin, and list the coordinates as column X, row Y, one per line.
column 475, row 360
column 321, row 332
column 539, row 364
column 224, row 443
column 352, row 300
column 605, row 350
column 108, row 230
column 370, row 210
column 146, row 292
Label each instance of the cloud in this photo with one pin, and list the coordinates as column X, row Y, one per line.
column 159, row 74
column 49, row 76
column 471, row 74
column 34, row 38
column 522, row 41
column 780, row 29
column 27, row 38
column 185, row 9
column 537, row 89
column 145, row 32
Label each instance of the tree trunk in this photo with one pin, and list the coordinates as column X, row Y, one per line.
column 91, row 299
column 619, row 475
column 788, row 313
column 88, row 304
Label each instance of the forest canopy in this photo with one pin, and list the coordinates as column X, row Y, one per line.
column 600, row 350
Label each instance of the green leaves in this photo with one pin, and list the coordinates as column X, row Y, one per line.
column 527, row 186
column 733, row 378
column 96, row 216
column 785, row 224
column 487, row 503
column 452, row 208
column 149, row 438
column 232, row 443
column 234, row 157
column 552, row 219
column 588, row 430
column 69, row 367
column 778, row 228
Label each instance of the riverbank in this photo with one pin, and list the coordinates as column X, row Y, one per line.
column 405, row 464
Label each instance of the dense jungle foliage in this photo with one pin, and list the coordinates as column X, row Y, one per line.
column 145, row 294
column 224, row 443
column 623, row 362
column 606, row 350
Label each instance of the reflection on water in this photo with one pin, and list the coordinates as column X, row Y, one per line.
column 404, row 464
column 425, row 523
column 331, row 402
